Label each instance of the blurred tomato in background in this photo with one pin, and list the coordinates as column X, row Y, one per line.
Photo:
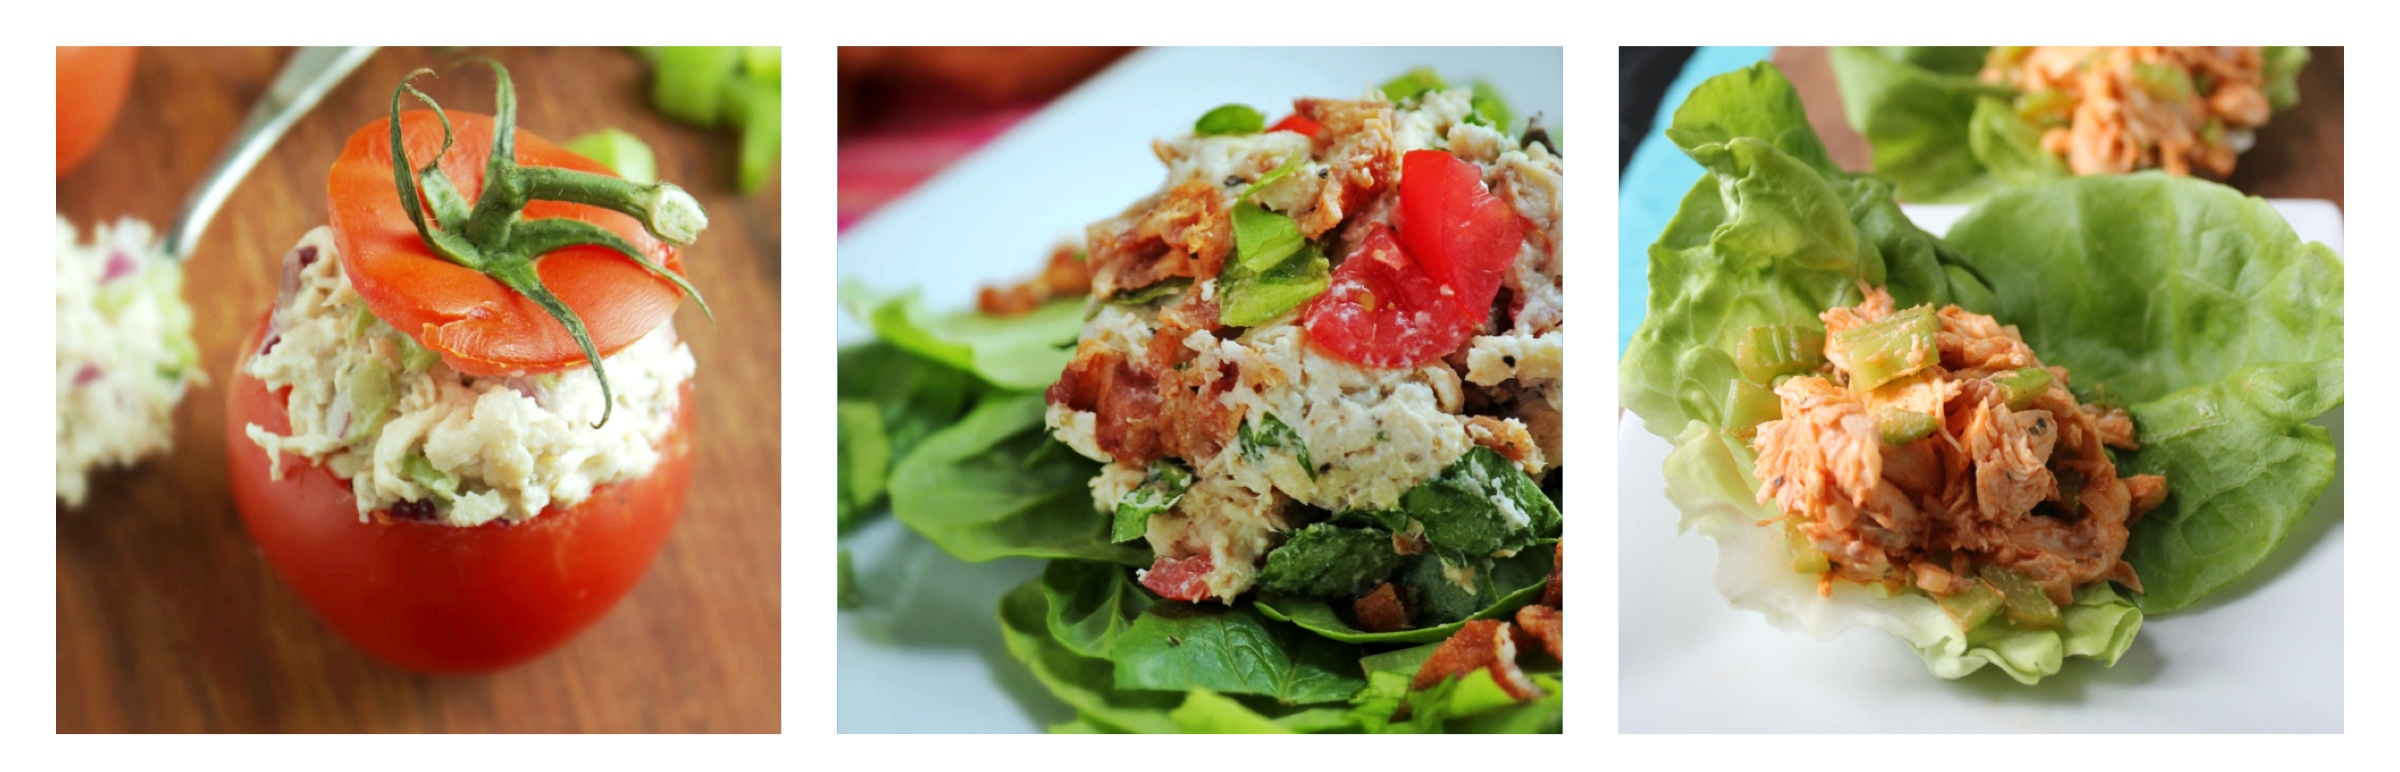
column 906, row 112
column 92, row 81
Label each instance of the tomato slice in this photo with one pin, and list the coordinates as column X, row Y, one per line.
column 1183, row 579
column 437, row 598
column 1464, row 236
column 1300, row 124
column 480, row 326
column 92, row 81
column 1382, row 310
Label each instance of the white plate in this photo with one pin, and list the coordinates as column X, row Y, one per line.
column 2262, row 656
column 925, row 655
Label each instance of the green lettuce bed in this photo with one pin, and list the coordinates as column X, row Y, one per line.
column 1943, row 136
column 2198, row 309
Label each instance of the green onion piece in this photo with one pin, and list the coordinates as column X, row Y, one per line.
column 2024, row 601
column 1887, row 350
column 415, row 358
column 690, row 84
column 2213, row 134
column 1973, row 607
column 1230, row 119
column 1490, row 109
column 1747, row 405
column 621, row 152
column 2166, row 81
column 1412, row 84
column 1901, row 427
column 1767, row 351
column 1805, row 557
column 2020, row 386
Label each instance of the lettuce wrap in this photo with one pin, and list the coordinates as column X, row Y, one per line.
column 1942, row 135
column 2196, row 308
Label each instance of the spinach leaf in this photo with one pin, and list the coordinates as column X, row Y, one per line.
column 1319, row 617
column 1491, row 585
column 1479, row 505
column 1207, row 712
column 1330, row 561
column 991, row 486
column 863, row 458
column 1085, row 683
column 1273, row 433
column 1090, row 604
column 1160, row 489
column 1024, row 352
column 889, row 401
column 1233, row 650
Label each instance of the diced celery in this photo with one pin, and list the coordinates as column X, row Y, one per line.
column 1771, row 350
column 1885, row 350
column 360, row 321
column 2166, row 81
column 762, row 136
column 621, row 152
column 2022, row 599
column 1805, row 557
column 420, row 470
column 1901, row 427
column 415, row 358
column 2006, row 56
column 1747, row 405
column 372, row 396
column 2045, row 107
column 1974, row 607
column 690, row 83
column 2020, row 386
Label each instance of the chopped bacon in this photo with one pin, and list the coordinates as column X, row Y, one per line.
column 1548, row 625
column 1555, row 596
column 1067, row 275
column 1360, row 158
column 1480, row 645
column 1183, row 232
column 1381, row 610
column 1146, row 409
column 1184, row 579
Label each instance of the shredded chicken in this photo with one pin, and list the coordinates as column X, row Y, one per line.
column 2114, row 109
column 2029, row 489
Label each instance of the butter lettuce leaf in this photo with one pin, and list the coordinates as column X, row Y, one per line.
column 1943, row 135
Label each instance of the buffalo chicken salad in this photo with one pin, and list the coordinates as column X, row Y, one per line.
column 1310, row 399
column 2094, row 400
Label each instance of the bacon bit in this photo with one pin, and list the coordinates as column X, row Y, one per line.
column 1548, row 625
column 1065, row 276
column 1507, row 438
column 1381, row 610
column 1555, row 596
column 1483, row 644
column 1359, row 153
column 1183, row 579
column 1147, row 409
column 1409, row 543
column 1184, row 231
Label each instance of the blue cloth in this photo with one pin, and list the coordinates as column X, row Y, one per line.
column 1654, row 184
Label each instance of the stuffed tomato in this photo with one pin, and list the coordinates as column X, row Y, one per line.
column 464, row 429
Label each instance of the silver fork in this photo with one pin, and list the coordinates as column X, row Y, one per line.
column 312, row 71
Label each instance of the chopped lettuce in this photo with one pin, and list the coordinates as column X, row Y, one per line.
column 2199, row 308
column 1943, row 135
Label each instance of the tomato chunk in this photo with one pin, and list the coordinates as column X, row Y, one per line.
column 1464, row 236
column 1184, row 579
column 1382, row 310
column 1299, row 123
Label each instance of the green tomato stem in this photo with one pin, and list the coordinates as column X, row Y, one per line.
column 668, row 212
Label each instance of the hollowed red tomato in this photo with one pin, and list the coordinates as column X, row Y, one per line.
column 92, row 81
column 439, row 598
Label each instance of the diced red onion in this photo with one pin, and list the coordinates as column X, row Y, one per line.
column 88, row 374
column 120, row 265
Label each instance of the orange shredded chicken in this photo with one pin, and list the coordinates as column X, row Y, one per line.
column 2115, row 109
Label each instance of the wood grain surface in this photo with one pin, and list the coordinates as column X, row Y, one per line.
column 168, row 618
column 2299, row 151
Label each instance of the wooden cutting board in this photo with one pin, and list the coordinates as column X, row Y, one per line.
column 169, row 620
column 2299, row 151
